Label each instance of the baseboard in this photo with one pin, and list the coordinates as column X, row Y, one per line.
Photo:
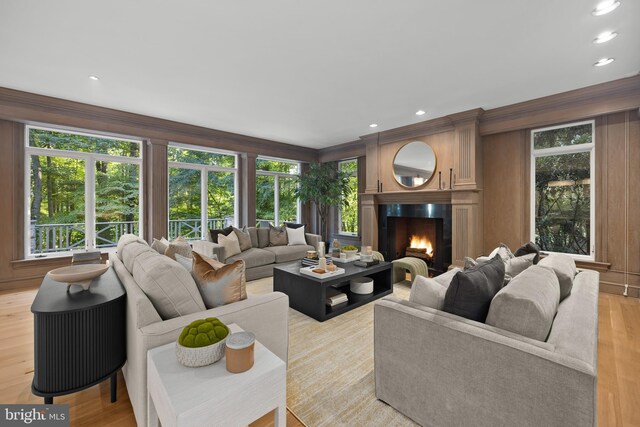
column 618, row 289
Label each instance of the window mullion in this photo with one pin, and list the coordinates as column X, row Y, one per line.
column 90, row 202
column 204, row 201
column 276, row 200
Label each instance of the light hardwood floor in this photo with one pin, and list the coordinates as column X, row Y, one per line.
column 618, row 367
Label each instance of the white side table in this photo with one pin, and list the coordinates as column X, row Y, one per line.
column 209, row 395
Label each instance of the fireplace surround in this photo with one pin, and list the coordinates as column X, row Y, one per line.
column 431, row 223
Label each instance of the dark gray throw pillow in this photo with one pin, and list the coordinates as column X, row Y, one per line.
column 243, row 238
column 225, row 232
column 529, row 248
column 470, row 293
column 293, row 225
column 277, row 236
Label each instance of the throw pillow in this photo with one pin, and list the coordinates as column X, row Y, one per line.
column 160, row 245
column 427, row 292
column 504, row 252
column 187, row 263
column 529, row 248
column 277, row 236
column 168, row 286
column 230, row 243
column 469, row 263
column 528, row 305
column 219, row 283
column 470, row 293
column 124, row 240
column 295, row 236
column 518, row 264
column 293, row 225
column 244, row 239
column 565, row 268
column 178, row 246
column 213, row 234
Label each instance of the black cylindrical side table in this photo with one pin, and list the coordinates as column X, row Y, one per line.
column 80, row 336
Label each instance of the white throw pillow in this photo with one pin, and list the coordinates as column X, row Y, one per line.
column 427, row 292
column 295, row 236
column 230, row 243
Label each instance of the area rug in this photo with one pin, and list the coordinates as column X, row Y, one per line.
column 330, row 375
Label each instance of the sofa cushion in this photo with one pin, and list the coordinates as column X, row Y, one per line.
column 529, row 248
column 167, row 284
column 253, row 233
column 131, row 251
column 470, row 293
column 230, row 243
column 263, row 237
column 244, row 239
column 427, row 292
column 254, row 257
column 528, row 304
column 277, row 235
column 445, row 278
column 295, row 236
column 179, row 245
column 289, row 253
column 213, row 234
column 160, row 245
column 126, row 239
column 218, row 283
column 565, row 268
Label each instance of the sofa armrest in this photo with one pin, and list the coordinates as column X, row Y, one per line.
column 264, row 315
column 209, row 249
column 313, row 239
column 439, row 370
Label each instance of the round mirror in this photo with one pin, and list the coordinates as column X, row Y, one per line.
column 414, row 164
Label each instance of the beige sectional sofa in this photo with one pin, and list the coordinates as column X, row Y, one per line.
column 440, row 369
column 261, row 257
column 140, row 267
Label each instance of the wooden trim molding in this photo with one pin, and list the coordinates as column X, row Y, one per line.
column 348, row 150
column 427, row 127
column 597, row 100
column 28, row 107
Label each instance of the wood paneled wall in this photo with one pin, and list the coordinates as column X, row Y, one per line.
column 507, row 165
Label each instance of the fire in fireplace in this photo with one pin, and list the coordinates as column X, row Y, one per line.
column 420, row 247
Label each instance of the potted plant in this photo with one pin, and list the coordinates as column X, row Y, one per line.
column 202, row 342
column 324, row 185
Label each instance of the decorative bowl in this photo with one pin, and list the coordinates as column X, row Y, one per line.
column 194, row 357
column 81, row 275
column 350, row 253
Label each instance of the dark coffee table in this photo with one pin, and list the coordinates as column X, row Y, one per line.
column 308, row 294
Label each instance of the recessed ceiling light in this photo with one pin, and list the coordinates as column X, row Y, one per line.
column 373, row 125
column 419, row 113
column 605, row 7
column 603, row 61
column 605, row 37
column 94, row 78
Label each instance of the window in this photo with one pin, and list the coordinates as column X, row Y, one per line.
column 84, row 190
column 202, row 191
column 563, row 194
column 276, row 183
column 348, row 213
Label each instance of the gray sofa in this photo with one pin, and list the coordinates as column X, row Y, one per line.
column 260, row 259
column 440, row 369
column 134, row 263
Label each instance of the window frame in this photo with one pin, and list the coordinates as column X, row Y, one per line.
column 276, row 187
column 340, row 231
column 204, row 183
column 570, row 149
column 89, row 184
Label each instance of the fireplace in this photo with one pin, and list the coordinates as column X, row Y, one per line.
column 422, row 231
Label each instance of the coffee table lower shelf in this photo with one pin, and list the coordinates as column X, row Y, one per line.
column 308, row 294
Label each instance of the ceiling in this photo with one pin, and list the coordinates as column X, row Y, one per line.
column 310, row 73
